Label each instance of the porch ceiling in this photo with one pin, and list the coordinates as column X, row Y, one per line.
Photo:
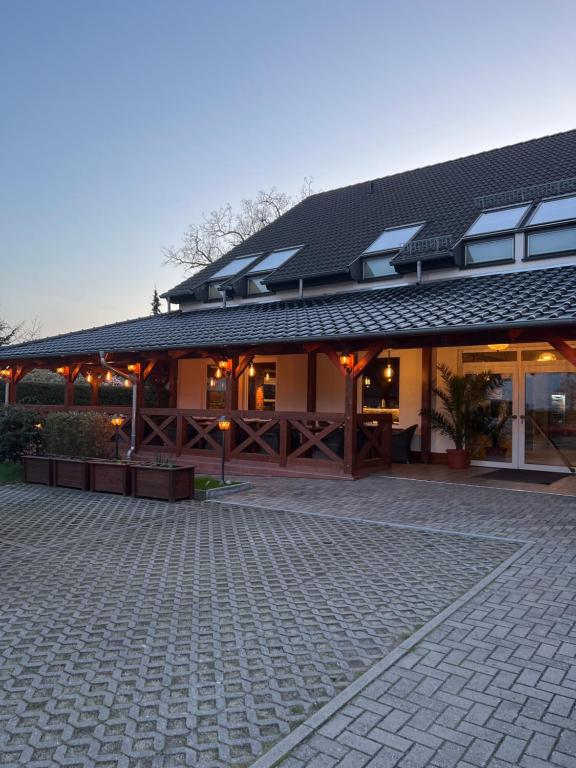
column 495, row 304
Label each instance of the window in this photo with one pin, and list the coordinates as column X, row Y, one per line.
column 262, row 388
column 274, row 260
column 498, row 220
column 213, row 292
column 551, row 242
column 549, row 211
column 235, row 266
column 380, row 391
column 394, row 238
column 490, row 251
column 215, row 389
column 378, row 266
column 256, row 286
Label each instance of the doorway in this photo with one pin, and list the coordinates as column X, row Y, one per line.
column 530, row 419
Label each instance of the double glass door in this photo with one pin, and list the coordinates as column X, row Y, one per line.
column 529, row 421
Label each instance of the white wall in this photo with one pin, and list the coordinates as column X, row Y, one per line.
column 191, row 384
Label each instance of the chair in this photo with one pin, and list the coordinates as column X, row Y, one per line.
column 401, row 442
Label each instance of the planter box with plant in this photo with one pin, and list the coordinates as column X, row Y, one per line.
column 71, row 438
column 461, row 416
column 110, row 477
column 211, row 488
column 162, row 480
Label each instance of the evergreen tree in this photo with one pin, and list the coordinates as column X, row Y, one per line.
column 156, row 310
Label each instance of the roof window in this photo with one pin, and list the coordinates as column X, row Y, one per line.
column 499, row 220
column 557, row 209
column 234, row 266
column 394, row 238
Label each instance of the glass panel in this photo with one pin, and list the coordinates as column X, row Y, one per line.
column 274, row 260
column 256, row 285
column 262, row 388
column 393, row 239
column 381, row 387
column 379, row 267
column 493, row 439
column 234, row 266
column 490, row 251
column 553, row 241
column 496, row 221
column 215, row 389
column 489, row 357
column 560, row 209
column 550, row 419
column 213, row 292
column 540, row 355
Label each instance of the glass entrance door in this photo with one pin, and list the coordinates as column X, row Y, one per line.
column 548, row 420
column 495, row 444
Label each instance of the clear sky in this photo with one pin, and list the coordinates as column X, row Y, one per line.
column 123, row 120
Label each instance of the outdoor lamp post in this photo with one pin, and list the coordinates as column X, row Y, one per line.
column 38, row 436
column 117, row 422
column 224, row 424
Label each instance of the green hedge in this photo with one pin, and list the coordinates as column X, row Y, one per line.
column 85, row 434
column 47, row 393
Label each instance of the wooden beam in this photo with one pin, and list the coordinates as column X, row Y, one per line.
column 149, row 368
column 567, row 352
column 243, row 363
column 426, row 405
column 311, row 381
column 366, row 359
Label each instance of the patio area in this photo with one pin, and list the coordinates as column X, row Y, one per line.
column 146, row 634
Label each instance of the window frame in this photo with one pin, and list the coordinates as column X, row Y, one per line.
column 495, row 233
column 541, row 230
column 371, row 278
column 394, row 249
column 547, row 224
column 481, row 240
column 257, row 276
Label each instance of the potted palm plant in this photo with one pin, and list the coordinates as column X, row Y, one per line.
column 460, row 415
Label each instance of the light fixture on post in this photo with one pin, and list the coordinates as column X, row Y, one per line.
column 224, row 424
column 498, row 347
column 388, row 370
column 345, row 361
column 38, row 427
column 117, row 422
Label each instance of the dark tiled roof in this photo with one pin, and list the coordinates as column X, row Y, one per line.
column 496, row 301
column 337, row 226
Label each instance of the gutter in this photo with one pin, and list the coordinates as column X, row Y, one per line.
column 134, row 381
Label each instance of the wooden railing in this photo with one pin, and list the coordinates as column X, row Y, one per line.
column 316, row 441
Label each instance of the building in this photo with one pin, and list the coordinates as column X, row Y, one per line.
column 321, row 333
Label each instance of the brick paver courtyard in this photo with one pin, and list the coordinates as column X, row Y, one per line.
column 144, row 634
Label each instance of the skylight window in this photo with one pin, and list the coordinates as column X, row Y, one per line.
column 550, row 211
column 274, row 260
column 393, row 238
column 235, row 266
column 498, row 221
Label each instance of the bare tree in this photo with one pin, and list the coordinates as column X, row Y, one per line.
column 224, row 228
column 11, row 334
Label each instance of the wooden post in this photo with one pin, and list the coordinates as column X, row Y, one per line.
column 426, row 405
column 173, row 384
column 350, row 406
column 311, row 382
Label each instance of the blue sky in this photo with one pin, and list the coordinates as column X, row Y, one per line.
column 123, row 120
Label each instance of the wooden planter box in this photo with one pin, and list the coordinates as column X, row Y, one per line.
column 167, row 483
column 38, row 469
column 109, row 477
column 71, row 473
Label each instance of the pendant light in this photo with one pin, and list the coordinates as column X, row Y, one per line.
column 251, row 370
column 388, row 370
column 218, row 373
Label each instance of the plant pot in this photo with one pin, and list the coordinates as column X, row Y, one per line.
column 457, row 458
column 166, row 483
column 110, row 477
column 38, row 469
column 71, row 473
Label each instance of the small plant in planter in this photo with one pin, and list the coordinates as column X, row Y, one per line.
column 461, row 415
column 162, row 479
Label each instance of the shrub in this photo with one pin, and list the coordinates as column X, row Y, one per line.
column 17, row 433
column 79, row 434
column 52, row 393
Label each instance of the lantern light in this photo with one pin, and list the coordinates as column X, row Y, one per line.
column 224, row 423
column 345, row 360
column 61, row 370
column 5, row 372
column 89, row 378
column 498, row 347
column 251, row 370
column 389, row 370
column 117, row 421
column 108, row 376
column 132, row 367
column 39, row 426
